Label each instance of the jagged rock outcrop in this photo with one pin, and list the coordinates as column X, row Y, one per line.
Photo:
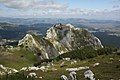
column 41, row 46
column 60, row 39
column 67, row 37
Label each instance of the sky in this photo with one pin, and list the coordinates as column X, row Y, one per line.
column 89, row 9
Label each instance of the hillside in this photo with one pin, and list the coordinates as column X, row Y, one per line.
column 17, row 57
column 105, row 66
column 59, row 39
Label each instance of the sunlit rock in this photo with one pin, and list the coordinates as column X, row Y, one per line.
column 77, row 69
column 96, row 64
column 34, row 75
column 89, row 75
column 59, row 39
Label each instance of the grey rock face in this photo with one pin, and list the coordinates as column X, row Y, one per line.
column 89, row 75
column 41, row 46
column 61, row 38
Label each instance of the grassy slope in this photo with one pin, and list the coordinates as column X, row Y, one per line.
column 108, row 69
column 19, row 59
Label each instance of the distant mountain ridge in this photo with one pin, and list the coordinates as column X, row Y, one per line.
column 59, row 39
column 23, row 21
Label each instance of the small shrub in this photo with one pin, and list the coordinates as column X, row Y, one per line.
column 117, row 66
column 118, row 53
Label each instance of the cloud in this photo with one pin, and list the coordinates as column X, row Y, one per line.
column 116, row 6
column 33, row 4
column 95, row 13
column 17, row 4
column 34, row 8
column 4, row 1
column 83, row 11
column 51, row 8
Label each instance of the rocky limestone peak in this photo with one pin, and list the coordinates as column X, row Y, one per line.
column 62, row 26
column 39, row 45
column 28, row 37
column 59, row 39
column 71, row 38
column 58, row 31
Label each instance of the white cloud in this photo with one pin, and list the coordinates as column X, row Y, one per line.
column 83, row 11
column 98, row 14
column 33, row 4
column 4, row 1
column 34, row 7
column 17, row 4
